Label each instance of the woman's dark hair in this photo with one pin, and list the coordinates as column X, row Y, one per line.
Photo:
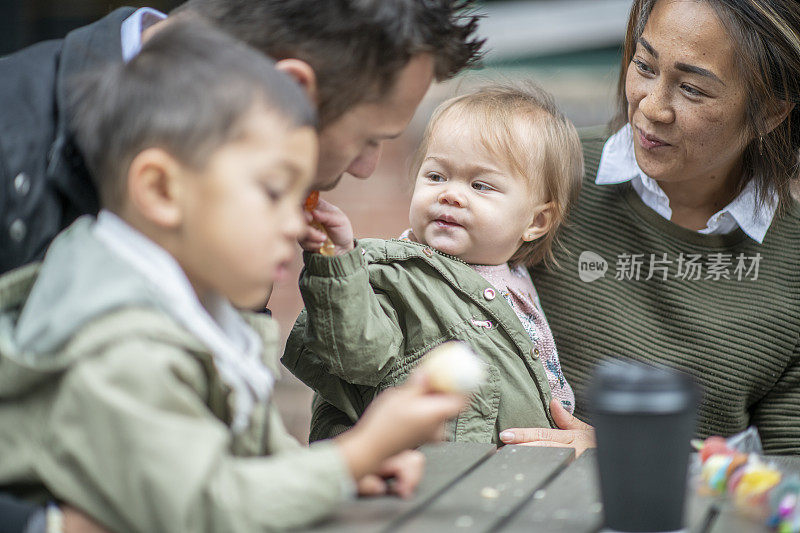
column 356, row 47
column 188, row 92
column 766, row 34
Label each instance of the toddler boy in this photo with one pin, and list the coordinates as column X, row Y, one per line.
column 136, row 391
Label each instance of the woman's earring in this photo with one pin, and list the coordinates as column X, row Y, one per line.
column 761, row 145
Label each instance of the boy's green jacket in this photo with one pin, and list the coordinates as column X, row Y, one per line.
column 108, row 404
column 372, row 313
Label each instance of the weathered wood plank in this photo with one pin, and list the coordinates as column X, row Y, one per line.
column 569, row 503
column 445, row 464
column 489, row 495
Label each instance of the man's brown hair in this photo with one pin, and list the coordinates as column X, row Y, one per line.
column 356, row 47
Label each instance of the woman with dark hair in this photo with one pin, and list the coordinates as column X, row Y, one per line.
column 684, row 248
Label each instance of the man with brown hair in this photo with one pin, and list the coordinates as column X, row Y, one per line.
column 366, row 65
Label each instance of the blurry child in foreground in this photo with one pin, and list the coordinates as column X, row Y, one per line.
column 495, row 176
column 136, row 391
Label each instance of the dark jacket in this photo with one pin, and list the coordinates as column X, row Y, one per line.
column 44, row 185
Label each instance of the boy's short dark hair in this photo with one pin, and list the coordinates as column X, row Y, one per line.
column 356, row 47
column 187, row 92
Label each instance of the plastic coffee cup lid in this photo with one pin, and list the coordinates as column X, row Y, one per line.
column 628, row 387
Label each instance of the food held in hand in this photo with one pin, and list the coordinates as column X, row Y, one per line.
column 454, row 367
column 312, row 200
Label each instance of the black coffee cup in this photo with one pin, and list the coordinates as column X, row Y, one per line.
column 644, row 418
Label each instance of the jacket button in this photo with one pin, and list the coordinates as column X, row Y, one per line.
column 22, row 184
column 489, row 293
column 535, row 353
column 17, row 230
column 427, row 251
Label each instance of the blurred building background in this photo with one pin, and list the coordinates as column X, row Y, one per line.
column 569, row 47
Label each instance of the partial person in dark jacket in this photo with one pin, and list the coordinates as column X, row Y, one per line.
column 44, row 182
column 366, row 64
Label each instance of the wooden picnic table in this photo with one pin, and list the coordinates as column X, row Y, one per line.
column 477, row 488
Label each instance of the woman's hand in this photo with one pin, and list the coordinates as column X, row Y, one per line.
column 337, row 228
column 573, row 433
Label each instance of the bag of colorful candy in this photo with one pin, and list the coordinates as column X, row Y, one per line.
column 736, row 469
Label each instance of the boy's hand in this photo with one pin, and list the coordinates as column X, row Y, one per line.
column 398, row 419
column 77, row 522
column 399, row 474
column 336, row 224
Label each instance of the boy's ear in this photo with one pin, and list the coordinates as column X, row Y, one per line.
column 303, row 74
column 541, row 223
column 154, row 187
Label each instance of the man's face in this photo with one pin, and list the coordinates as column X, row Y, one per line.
column 352, row 143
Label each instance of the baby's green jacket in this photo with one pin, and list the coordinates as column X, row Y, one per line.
column 108, row 404
column 372, row 313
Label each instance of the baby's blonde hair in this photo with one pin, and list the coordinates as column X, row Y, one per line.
column 521, row 125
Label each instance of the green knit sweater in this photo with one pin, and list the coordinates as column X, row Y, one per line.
column 720, row 307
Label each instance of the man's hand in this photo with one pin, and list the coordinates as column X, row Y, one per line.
column 335, row 223
column 573, row 433
column 399, row 474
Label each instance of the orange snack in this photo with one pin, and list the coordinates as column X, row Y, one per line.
column 310, row 204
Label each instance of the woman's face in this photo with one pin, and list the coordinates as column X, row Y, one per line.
column 686, row 100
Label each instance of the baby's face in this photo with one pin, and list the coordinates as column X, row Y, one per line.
column 243, row 213
column 466, row 201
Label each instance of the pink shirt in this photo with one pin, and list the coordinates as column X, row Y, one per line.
column 516, row 286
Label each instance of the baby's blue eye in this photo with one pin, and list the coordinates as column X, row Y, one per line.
column 433, row 176
column 478, row 186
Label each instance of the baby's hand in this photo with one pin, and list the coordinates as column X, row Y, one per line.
column 335, row 223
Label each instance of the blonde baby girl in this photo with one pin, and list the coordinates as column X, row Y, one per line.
column 495, row 176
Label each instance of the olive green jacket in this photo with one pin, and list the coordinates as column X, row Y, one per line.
column 373, row 313
column 110, row 405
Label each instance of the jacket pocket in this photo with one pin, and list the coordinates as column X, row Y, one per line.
column 477, row 422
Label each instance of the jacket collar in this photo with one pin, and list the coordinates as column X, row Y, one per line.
column 235, row 347
column 83, row 50
column 133, row 27
column 461, row 276
column 618, row 165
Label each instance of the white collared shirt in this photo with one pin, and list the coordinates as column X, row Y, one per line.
column 618, row 165
column 133, row 27
column 235, row 348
